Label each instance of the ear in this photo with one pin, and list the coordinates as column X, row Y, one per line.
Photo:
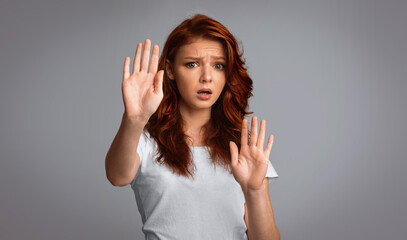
column 169, row 69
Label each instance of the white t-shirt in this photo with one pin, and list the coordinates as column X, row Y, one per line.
column 175, row 207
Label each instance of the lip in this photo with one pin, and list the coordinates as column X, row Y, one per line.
column 205, row 90
column 206, row 96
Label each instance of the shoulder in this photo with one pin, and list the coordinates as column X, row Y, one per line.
column 271, row 171
column 146, row 139
column 146, row 145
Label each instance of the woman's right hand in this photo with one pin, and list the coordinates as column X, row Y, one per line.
column 142, row 90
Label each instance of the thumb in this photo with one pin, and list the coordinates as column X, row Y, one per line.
column 158, row 81
column 234, row 153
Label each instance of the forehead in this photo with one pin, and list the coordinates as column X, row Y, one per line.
column 201, row 47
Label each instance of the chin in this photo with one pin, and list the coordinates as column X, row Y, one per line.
column 204, row 105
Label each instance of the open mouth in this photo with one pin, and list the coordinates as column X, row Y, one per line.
column 205, row 94
column 205, row 91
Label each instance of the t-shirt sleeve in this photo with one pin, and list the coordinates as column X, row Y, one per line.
column 143, row 149
column 271, row 172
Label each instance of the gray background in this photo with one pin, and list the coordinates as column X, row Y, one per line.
column 329, row 77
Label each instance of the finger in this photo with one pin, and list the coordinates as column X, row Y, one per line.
column 262, row 133
column 126, row 71
column 154, row 60
column 146, row 55
column 244, row 134
column 234, row 153
column 137, row 57
column 158, row 82
column 269, row 145
column 253, row 132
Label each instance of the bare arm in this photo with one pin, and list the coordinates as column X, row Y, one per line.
column 122, row 159
column 259, row 216
column 249, row 168
column 142, row 94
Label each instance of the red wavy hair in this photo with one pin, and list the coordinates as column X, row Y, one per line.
column 166, row 125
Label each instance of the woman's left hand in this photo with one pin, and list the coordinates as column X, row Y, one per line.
column 249, row 167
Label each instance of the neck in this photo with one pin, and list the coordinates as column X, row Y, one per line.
column 193, row 123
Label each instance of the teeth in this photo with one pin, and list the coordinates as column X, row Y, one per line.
column 204, row 93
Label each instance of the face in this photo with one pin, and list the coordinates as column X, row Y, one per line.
column 200, row 74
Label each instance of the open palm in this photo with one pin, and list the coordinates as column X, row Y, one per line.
column 142, row 90
column 249, row 166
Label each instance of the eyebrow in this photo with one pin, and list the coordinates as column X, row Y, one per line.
column 214, row 57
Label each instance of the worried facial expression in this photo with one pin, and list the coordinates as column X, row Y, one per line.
column 200, row 74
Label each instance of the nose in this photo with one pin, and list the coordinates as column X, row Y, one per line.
column 206, row 75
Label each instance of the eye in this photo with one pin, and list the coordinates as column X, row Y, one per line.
column 191, row 64
column 219, row 66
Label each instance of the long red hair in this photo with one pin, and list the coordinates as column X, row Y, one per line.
column 166, row 126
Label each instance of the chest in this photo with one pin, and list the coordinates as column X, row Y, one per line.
column 212, row 184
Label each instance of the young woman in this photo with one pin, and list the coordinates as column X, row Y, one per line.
column 184, row 144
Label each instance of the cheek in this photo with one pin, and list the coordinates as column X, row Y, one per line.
column 180, row 87
column 183, row 87
column 222, row 85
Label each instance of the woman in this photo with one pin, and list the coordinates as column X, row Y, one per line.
column 184, row 145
